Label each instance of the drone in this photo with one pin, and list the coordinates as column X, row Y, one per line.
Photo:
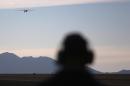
column 25, row 10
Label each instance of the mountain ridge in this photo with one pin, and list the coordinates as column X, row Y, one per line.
column 124, row 71
column 11, row 63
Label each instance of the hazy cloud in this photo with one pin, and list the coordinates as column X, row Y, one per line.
column 50, row 52
column 110, row 58
column 37, row 3
column 100, row 52
column 111, row 51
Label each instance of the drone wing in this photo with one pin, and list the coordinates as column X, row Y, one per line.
column 25, row 10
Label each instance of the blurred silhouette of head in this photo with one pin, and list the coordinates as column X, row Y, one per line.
column 75, row 51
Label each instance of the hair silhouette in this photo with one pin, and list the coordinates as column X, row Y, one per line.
column 75, row 52
column 73, row 56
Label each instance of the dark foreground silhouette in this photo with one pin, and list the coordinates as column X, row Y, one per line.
column 74, row 55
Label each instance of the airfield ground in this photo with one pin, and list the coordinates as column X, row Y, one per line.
column 35, row 79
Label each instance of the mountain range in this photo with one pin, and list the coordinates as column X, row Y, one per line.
column 10, row 63
column 123, row 72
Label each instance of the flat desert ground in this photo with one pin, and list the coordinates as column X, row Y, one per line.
column 35, row 79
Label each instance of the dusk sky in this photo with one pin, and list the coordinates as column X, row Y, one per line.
column 106, row 23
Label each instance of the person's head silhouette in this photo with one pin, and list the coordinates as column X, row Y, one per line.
column 75, row 52
column 73, row 57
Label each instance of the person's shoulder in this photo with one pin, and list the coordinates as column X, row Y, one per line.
column 47, row 83
column 100, row 84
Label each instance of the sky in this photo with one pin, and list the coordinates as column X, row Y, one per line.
column 105, row 23
column 46, row 3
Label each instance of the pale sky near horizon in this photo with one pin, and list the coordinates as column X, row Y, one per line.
column 40, row 31
column 45, row 3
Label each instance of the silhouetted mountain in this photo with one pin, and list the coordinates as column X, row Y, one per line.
column 123, row 72
column 9, row 56
column 11, row 63
column 95, row 71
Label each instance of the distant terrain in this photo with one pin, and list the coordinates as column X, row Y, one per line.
column 10, row 63
column 13, row 64
column 123, row 72
column 30, row 71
